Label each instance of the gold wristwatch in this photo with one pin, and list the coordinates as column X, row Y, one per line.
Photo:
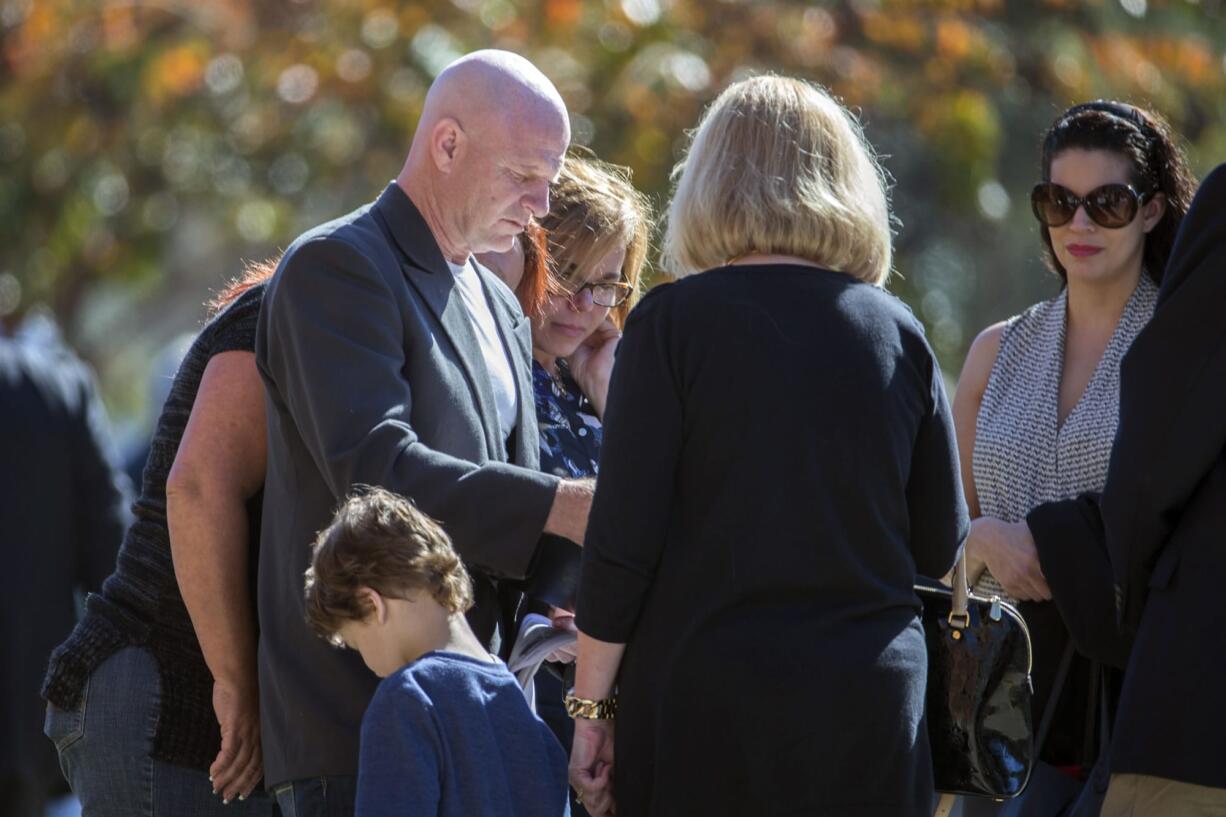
column 603, row 710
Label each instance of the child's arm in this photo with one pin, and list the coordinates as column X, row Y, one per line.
column 400, row 765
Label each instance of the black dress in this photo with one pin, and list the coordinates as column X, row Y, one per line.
column 778, row 463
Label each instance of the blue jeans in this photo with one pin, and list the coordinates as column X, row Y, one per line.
column 104, row 745
column 317, row 797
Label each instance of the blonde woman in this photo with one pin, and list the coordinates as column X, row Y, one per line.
column 778, row 464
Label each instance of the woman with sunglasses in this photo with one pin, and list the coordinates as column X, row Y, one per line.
column 1038, row 402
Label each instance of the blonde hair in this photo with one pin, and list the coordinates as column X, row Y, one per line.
column 594, row 209
column 776, row 166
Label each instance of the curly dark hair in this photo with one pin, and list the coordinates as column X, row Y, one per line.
column 1146, row 141
column 380, row 540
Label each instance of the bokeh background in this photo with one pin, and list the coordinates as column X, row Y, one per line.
column 147, row 148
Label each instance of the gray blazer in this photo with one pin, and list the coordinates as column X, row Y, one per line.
column 374, row 375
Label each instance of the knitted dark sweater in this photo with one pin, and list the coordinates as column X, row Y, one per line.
column 140, row 604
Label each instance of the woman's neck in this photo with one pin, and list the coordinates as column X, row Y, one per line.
column 548, row 361
column 1098, row 305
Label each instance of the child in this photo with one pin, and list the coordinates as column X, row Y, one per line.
column 448, row 731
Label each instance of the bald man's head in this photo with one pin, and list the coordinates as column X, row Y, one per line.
column 492, row 136
column 497, row 87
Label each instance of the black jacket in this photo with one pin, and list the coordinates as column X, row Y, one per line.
column 374, row 376
column 62, row 516
column 1140, row 571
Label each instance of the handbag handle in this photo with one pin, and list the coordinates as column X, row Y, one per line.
column 959, row 608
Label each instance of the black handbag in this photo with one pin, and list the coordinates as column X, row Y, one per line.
column 979, row 691
column 1050, row 792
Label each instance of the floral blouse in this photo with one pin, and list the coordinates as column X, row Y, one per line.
column 570, row 432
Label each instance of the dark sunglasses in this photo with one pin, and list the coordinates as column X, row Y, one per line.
column 1111, row 206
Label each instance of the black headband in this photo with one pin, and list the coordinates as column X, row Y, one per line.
column 1117, row 110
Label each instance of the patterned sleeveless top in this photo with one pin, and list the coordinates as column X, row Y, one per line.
column 1023, row 456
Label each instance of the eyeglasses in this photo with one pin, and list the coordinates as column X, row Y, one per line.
column 604, row 293
column 1111, row 206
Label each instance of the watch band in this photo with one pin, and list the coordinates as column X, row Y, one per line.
column 604, row 709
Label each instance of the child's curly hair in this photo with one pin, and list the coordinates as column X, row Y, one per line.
column 379, row 540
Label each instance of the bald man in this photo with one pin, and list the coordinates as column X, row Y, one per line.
column 391, row 358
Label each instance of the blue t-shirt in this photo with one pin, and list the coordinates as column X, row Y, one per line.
column 452, row 736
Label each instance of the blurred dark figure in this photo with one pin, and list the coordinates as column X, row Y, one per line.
column 63, row 507
column 161, row 375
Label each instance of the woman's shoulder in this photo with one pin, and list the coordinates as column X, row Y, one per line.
column 730, row 284
column 234, row 327
column 245, row 304
column 1033, row 331
column 981, row 358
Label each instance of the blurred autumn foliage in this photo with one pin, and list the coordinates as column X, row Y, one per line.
column 147, row 147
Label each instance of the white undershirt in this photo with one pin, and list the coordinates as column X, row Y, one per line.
column 502, row 376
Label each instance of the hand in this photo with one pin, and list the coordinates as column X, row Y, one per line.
column 563, row 620
column 239, row 764
column 592, row 363
column 1008, row 550
column 591, row 765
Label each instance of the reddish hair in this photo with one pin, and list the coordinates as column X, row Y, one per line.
column 534, row 286
column 254, row 273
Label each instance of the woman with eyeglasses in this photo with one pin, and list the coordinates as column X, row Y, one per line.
column 1037, row 405
column 577, row 277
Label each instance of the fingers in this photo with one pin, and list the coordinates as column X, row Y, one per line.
column 591, row 765
column 251, row 777
column 1025, row 587
column 1035, row 582
column 1042, row 590
column 1021, row 576
column 225, row 781
column 221, row 771
column 598, row 796
column 237, row 768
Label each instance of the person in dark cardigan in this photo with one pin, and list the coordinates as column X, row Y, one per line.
column 1150, row 549
column 778, row 464
column 152, row 700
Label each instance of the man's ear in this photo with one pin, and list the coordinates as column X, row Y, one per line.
column 447, row 144
column 1152, row 211
column 377, row 604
